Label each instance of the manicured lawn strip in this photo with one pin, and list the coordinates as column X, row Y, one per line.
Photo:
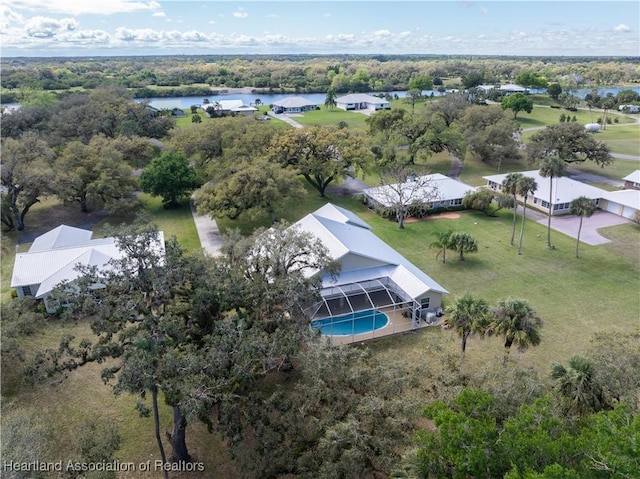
column 616, row 171
column 176, row 222
column 474, row 169
column 325, row 116
column 575, row 297
column 623, row 139
column 543, row 116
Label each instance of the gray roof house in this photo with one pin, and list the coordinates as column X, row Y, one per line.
column 294, row 104
column 361, row 101
column 433, row 191
column 373, row 276
column 563, row 191
column 53, row 257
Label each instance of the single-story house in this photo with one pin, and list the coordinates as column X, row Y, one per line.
column 629, row 108
column 53, row 257
column 178, row 112
column 511, row 88
column 373, row 275
column 294, row 104
column 632, row 181
column 433, row 191
column 625, row 203
column 361, row 101
column 563, row 191
column 244, row 110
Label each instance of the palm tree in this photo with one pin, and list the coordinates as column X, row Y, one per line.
column 442, row 243
column 578, row 386
column 510, row 187
column 330, row 100
column 463, row 243
column 551, row 167
column 517, row 322
column 581, row 206
column 467, row 315
column 525, row 187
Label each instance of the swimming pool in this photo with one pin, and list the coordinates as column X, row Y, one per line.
column 352, row 323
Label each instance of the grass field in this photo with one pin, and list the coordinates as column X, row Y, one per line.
column 324, row 116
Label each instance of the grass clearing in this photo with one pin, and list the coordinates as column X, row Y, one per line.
column 560, row 288
column 324, row 116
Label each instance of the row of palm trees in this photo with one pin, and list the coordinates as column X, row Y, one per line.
column 513, row 319
column 517, row 184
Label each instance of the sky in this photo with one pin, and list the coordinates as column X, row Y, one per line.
column 44, row 28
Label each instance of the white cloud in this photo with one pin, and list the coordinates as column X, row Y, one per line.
column 159, row 14
column 79, row 7
column 272, row 15
column 621, row 28
column 44, row 27
column 211, row 22
column 9, row 16
column 240, row 13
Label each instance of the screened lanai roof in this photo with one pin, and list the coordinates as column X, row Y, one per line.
column 351, row 297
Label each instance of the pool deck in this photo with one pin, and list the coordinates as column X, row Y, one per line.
column 397, row 324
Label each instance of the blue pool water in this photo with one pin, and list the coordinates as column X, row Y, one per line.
column 352, row 323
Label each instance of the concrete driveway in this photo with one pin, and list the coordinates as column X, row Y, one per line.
column 569, row 225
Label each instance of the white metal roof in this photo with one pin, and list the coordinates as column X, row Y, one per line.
column 630, row 198
column 361, row 98
column 564, row 189
column 512, row 87
column 436, row 187
column 49, row 267
column 634, row 177
column 294, row 102
column 346, row 237
column 228, row 105
column 61, row 237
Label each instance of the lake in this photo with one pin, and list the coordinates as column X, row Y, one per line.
column 249, row 98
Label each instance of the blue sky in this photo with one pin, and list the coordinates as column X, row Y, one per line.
column 469, row 27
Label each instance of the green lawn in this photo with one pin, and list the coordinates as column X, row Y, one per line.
column 324, row 116
column 623, row 139
column 561, row 288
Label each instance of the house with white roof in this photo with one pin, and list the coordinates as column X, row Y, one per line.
column 632, row 181
column 362, row 101
column 53, row 258
column 373, row 276
column 511, row 88
column 625, row 203
column 293, row 104
column 563, row 191
column 433, row 191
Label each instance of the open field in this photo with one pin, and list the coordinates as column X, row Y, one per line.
column 324, row 116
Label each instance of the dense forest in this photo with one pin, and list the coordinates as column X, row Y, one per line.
column 195, row 75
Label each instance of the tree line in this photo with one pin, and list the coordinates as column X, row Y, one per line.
column 186, row 75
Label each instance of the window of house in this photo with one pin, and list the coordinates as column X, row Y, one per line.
column 545, row 204
column 424, row 302
column 457, row 202
column 26, row 291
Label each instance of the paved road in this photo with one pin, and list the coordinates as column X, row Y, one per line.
column 208, row 232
